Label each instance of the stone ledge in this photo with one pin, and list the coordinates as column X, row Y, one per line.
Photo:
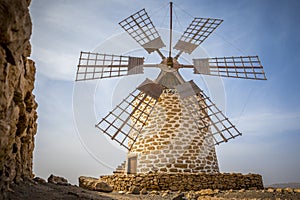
column 184, row 181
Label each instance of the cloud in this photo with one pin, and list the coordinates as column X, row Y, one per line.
column 57, row 65
column 270, row 122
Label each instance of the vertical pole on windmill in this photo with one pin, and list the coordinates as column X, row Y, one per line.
column 170, row 60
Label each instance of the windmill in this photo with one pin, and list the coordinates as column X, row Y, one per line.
column 168, row 124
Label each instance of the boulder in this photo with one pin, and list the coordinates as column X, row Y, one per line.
column 165, row 193
column 102, row 187
column 154, row 192
column 279, row 190
column 39, row 180
column 288, row 190
column 91, row 183
column 270, row 190
column 134, row 190
column 57, row 180
column 86, row 182
column 297, row 190
column 179, row 197
column 206, row 192
column 144, row 191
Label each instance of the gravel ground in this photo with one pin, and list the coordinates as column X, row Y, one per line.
column 47, row 191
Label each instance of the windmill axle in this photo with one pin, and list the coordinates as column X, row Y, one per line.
column 169, row 64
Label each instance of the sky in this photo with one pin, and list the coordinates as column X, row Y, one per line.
column 266, row 112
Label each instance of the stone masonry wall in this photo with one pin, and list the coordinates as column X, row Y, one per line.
column 17, row 105
column 171, row 141
column 184, row 181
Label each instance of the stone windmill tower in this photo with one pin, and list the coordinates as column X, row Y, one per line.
column 168, row 124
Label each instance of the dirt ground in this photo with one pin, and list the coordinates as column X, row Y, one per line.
column 47, row 191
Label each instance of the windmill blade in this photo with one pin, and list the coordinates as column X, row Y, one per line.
column 97, row 66
column 206, row 114
column 124, row 123
column 195, row 34
column 246, row 67
column 140, row 27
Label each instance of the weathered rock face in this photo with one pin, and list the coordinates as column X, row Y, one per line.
column 17, row 105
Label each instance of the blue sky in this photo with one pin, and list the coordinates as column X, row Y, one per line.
column 266, row 112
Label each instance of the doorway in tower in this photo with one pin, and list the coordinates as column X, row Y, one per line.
column 132, row 165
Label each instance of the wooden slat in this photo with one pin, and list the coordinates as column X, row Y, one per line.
column 140, row 27
column 128, row 117
column 246, row 67
column 97, row 66
column 196, row 34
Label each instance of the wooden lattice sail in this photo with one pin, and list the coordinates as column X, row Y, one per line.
column 121, row 121
column 96, row 66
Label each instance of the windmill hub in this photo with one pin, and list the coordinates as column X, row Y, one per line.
column 169, row 65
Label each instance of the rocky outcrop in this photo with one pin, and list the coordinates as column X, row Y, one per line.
column 17, row 105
